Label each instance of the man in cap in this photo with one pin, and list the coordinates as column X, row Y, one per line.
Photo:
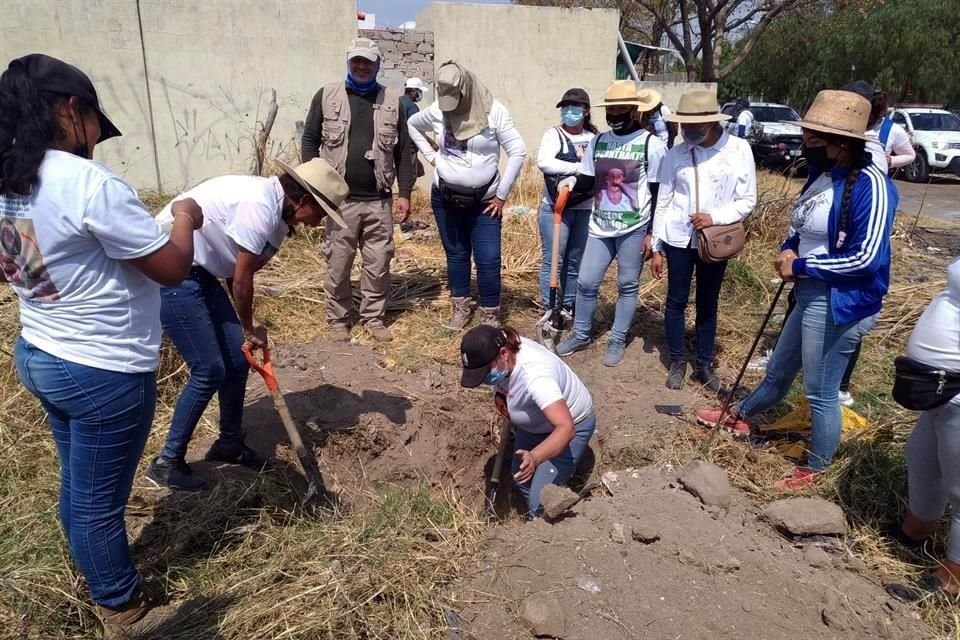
column 246, row 219
column 360, row 128
column 413, row 93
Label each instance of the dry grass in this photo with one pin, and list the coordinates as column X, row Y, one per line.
column 254, row 569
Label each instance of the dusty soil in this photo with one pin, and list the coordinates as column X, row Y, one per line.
column 720, row 574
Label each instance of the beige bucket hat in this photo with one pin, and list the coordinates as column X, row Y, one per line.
column 841, row 113
column 323, row 182
column 624, row 93
column 697, row 107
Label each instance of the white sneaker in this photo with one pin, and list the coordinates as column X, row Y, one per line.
column 846, row 399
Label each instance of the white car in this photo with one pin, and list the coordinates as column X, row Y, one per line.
column 775, row 142
column 935, row 134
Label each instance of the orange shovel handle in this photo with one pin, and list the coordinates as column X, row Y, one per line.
column 264, row 368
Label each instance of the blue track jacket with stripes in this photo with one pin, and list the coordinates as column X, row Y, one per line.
column 858, row 272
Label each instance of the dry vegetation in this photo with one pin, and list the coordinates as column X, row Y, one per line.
column 255, row 569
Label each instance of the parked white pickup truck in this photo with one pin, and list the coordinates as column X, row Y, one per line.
column 935, row 134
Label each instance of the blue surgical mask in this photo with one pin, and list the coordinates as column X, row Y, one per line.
column 495, row 377
column 572, row 116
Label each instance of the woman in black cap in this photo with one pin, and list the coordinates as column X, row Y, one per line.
column 91, row 336
column 561, row 150
column 545, row 400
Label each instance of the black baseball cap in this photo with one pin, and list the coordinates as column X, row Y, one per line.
column 574, row 96
column 862, row 88
column 56, row 76
column 478, row 349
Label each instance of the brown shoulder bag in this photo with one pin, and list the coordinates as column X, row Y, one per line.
column 721, row 241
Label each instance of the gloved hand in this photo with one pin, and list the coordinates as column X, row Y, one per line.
column 569, row 182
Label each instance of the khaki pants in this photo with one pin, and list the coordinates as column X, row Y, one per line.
column 369, row 228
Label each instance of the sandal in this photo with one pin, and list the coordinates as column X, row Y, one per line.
column 895, row 532
column 928, row 586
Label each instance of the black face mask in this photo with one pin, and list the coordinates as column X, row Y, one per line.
column 817, row 158
column 622, row 122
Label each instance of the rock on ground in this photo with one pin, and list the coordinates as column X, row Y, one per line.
column 806, row 517
column 645, row 532
column 618, row 533
column 556, row 499
column 817, row 557
column 708, row 482
column 543, row 616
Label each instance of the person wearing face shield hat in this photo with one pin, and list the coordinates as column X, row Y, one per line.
column 717, row 170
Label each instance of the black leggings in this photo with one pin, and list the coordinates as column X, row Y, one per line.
column 845, row 382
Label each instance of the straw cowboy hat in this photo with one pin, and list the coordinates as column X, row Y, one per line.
column 624, row 93
column 323, row 182
column 840, row 113
column 697, row 107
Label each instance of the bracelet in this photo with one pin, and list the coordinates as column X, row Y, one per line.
column 183, row 213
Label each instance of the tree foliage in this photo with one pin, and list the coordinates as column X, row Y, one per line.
column 909, row 48
column 702, row 31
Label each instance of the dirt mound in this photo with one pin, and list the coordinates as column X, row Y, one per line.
column 708, row 573
column 371, row 424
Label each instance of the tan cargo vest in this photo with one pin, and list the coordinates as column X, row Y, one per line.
column 336, row 129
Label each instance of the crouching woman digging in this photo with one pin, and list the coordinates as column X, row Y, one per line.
column 546, row 401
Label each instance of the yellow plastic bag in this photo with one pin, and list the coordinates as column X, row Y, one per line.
column 798, row 420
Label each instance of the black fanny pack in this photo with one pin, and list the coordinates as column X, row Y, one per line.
column 461, row 197
column 919, row 387
column 568, row 153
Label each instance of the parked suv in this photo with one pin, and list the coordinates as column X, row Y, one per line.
column 935, row 134
column 774, row 143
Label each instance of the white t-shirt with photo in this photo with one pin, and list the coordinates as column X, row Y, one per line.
column 539, row 379
column 811, row 217
column 633, row 160
column 238, row 211
column 66, row 250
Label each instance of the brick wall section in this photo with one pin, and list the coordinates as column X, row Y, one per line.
column 406, row 54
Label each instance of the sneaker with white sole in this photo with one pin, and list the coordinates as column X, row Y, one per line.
column 571, row 345
column 846, row 399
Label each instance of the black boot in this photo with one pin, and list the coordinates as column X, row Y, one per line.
column 244, row 456
column 678, row 371
column 705, row 375
column 175, row 474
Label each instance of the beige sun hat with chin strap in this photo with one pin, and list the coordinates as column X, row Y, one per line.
column 697, row 107
column 624, row 93
column 839, row 113
column 323, row 182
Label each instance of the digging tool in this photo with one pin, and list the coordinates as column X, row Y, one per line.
column 551, row 323
column 316, row 490
column 490, row 508
column 728, row 399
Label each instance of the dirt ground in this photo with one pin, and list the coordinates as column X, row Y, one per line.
column 711, row 575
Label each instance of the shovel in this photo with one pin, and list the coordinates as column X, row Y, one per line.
column 490, row 509
column 549, row 326
column 315, row 487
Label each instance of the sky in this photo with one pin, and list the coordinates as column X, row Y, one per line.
column 391, row 13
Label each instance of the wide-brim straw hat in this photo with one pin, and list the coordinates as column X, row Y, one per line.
column 839, row 113
column 697, row 107
column 323, row 182
column 624, row 93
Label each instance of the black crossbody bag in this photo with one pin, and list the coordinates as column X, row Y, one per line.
column 462, row 198
column 919, row 387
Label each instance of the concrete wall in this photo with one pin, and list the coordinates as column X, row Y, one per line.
column 528, row 56
column 406, row 54
column 211, row 66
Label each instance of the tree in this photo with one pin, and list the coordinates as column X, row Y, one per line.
column 700, row 30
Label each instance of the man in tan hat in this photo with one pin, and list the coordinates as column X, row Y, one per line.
column 708, row 179
column 621, row 167
column 360, row 127
column 245, row 220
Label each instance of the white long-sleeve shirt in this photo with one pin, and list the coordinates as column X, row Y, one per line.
column 550, row 165
column 472, row 163
column 898, row 146
column 728, row 189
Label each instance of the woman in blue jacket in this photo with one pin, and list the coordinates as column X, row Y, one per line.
column 838, row 257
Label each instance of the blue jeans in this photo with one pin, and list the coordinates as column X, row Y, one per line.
column 100, row 421
column 600, row 252
column 200, row 320
column 556, row 470
column 811, row 342
column 682, row 263
column 574, row 228
column 466, row 234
